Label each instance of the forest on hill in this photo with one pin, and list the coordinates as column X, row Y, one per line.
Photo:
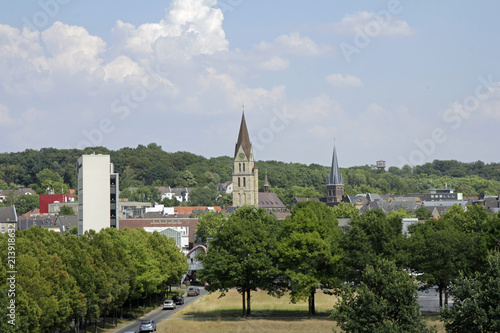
column 148, row 166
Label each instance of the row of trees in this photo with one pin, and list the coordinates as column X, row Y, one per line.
column 63, row 281
column 152, row 166
column 369, row 266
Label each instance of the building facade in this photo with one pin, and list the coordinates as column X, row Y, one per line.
column 97, row 193
column 245, row 171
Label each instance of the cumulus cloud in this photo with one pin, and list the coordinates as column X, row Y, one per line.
column 222, row 89
column 339, row 80
column 293, row 44
column 191, row 27
column 71, row 49
column 274, row 64
column 382, row 25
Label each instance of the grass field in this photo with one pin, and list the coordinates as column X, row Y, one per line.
column 213, row 314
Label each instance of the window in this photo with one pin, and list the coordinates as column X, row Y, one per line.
column 239, row 182
column 243, row 166
column 244, row 182
column 240, row 167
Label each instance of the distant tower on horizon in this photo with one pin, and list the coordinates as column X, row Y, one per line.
column 245, row 171
column 381, row 165
column 334, row 184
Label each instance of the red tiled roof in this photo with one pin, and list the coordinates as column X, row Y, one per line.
column 182, row 210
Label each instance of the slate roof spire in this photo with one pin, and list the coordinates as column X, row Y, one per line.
column 266, row 184
column 335, row 177
column 243, row 139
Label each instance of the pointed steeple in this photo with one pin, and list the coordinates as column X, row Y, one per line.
column 335, row 177
column 266, row 184
column 243, row 139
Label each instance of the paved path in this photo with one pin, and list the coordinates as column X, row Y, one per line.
column 429, row 300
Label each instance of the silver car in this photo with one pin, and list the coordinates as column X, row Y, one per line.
column 147, row 326
column 168, row 305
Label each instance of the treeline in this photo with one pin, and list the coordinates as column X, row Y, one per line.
column 59, row 281
column 373, row 266
column 149, row 166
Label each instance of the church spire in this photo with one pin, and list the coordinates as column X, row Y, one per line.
column 335, row 177
column 243, row 139
column 266, row 184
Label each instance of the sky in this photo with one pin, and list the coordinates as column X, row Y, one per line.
column 402, row 81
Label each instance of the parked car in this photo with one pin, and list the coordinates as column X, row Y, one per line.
column 147, row 326
column 168, row 305
column 193, row 291
column 178, row 299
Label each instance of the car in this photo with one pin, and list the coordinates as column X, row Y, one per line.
column 147, row 326
column 178, row 299
column 193, row 291
column 169, row 305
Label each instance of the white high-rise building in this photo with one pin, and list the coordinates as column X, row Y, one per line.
column 97, row 193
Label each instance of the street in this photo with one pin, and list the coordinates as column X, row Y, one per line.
column 159, row 314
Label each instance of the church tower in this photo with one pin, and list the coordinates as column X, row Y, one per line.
column 334, row 184
column 245, row 172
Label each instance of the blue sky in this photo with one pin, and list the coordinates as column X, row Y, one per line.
column 402, row 81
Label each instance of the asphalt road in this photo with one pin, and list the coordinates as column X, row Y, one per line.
column 429, row 300
column 159, row 314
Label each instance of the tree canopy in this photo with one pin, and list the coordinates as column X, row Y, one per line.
column 242, row 254
column 385, row 301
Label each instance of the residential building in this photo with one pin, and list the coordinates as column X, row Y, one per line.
column 46, row 199
column 8, row 218
column 43, row 221
column 226, row 187
column 55, row 208
column 22, row 191
column 97, row 193
column 180, row 193
column 131, row 209
column 183, row 225
column 66, row 222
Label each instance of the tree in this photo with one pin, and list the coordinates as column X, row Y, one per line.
column 371, row 236
column 439, row 250
column 476, row 306
column 310, row 255
column 423, row 213
column 345, row 210
column 203, row 196
column 66, row 210
column 242, row 255
column 208, row 226
column 24, row 203
column 385, row 301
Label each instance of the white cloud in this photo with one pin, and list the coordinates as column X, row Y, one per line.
column 72, row 49
column 478, row 107
column 191, row 27
column 18, row 44
column 316, row 109
column 274, row 64
column 339, row 80
column 293, row 45
column 222, row 90
column 382, row 25
column 5, row 118
column 120, row 68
